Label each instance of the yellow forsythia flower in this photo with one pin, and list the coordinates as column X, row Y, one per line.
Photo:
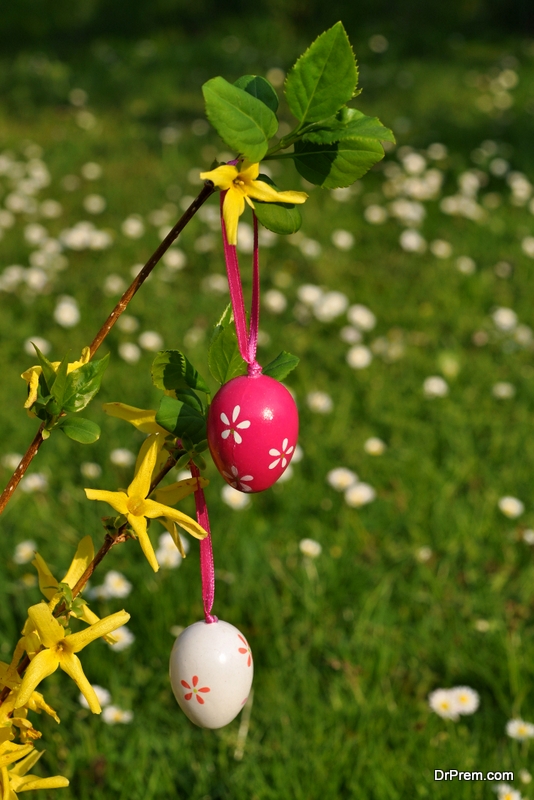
column 136, row 506
column 31, row 375
column 241, row 185
column 60, row 651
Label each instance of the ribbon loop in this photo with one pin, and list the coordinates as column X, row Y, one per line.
column 207, row 567
column 246, row 340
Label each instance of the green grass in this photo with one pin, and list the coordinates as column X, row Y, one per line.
column 345, row 651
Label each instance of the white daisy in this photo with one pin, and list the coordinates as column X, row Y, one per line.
column 359, row 357
column 310, row 548
column 465, row 699
column 374, row 446
column 234, row 498
column 341, row 478
column 511, row 507
column 24, row 551
column 519, row 729
column 435, row 386
column 124, row 638
column 441, row 701
column 504, row 319
column 113, row 715
column 320, row 402
column 361, row 317
column 359, row 495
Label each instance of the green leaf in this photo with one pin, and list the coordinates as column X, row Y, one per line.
column 181, row 419
column 283, row 364
column 260, row 88
column 48, row 375
column 83, row 383
column 60, row 384
column 336, row 165
column 172, row 370
column 349, row 123
column 283, row 218
column 81, row 430
column 189, row 397
column 224, row 358
column 227, row 318
column 242, row 121
column 324, row 78
column 66, row 591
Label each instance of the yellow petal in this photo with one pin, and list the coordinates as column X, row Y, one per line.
column 77, row 641
column 177, row 539
column 32, row 644
column 82, row 558
column 172, row 494
column 146, row 461
column 160, row 460
column 89, row 616
column 47, row 582
column 43, row 665
column 143, row 420
column 260, row 190
column 37, row 703
column 233, row 207
column 117, row 500
column 31, row 376
column 31, row 782
column 249, row 171
column 8, row 676
column 26, row 763
column 140, row 527
column 72, row 665
column 84, row 358
column 10, row 752
column 222, row 177
column 151, row 509
column 49, row 629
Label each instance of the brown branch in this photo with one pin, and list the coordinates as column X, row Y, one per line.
column 110, row 541
column 207, row 190
column 27, row 459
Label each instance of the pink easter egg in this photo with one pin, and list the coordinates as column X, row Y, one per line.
column 211, row 671
column 253, row 427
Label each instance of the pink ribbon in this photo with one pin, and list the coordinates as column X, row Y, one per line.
column 247, row 341
column 207, row 567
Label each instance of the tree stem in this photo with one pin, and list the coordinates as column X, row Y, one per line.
column 207, row 190
column 121, row 306
column 27, row 459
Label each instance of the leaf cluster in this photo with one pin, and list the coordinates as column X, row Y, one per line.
column 332, row 144
column 61, row 394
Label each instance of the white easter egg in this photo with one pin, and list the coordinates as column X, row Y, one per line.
column 211, row 672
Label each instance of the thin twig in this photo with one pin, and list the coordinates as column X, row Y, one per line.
column 110, row 541
column 27, row 459
column 207, row 190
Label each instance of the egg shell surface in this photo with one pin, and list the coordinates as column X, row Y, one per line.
column 211, row 670
column 253, row 427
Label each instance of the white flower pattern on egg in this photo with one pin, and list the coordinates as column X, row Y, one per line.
column 234, row 425
column 237, row 481
column 281, row 455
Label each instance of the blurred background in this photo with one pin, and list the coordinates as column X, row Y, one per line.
column 395, row 559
